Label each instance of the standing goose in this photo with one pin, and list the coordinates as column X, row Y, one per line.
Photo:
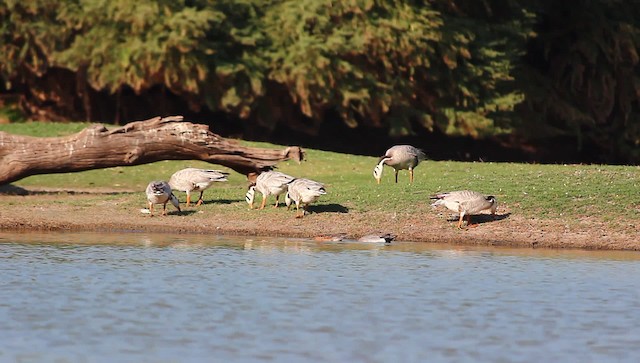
column 303, row 191
column 195, row 180
column 268, row 183
column 399, row 157
column 159, row 192
column 466, row 203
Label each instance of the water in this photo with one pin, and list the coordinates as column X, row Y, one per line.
column 87, row 297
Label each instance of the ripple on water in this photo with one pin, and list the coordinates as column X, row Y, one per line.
column 130, row 297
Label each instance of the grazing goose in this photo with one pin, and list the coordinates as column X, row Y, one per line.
column 378, row 238
column 303, row 191
column 159, row 192
column 466, row 203
column 195, row 180
column 268, row 183
column 399, row 157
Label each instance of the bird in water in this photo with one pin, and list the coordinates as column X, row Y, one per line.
column 466, row 203
column 331, row 237
column 399, row 157
column 196, row 180
column 159, row 192
column 303, row 191
column 268, row 183
column 369, row 238
column 377, row 238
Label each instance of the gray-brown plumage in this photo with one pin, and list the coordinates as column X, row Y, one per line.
column 268, row 183
column 399, row 157
column 377, row 238
column 195, row 180
column 303, row 191
column 466, row 203
column 159, row 192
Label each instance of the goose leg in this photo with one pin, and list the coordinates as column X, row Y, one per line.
column 396, row 176
column 469, row 225
column 298, row 215
column 188, row 199
column 150, row 209
column 164, row 209
column 410, row 176
column 200, row 201
column 264, row 201
column 277, row 201
column 460, row 220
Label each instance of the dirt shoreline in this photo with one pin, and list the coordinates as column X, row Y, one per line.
column 91, row 210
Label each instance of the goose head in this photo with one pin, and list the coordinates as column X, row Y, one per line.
column 377, row 171
column 288, row 200
column 494, row 203
column 251, row 194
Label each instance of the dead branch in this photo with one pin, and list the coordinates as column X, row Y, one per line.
column 136, row 143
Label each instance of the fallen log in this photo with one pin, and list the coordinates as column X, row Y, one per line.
column 136, row 143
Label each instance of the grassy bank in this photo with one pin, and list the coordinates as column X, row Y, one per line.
column 571, row 194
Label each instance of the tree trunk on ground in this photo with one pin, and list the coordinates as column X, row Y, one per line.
column 140, row 142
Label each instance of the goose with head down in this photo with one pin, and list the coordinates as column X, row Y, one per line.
column 196, row 180
column 159, row 192
column 268, row 183
column 303, row 191
column 466, row 203
column 399, row 157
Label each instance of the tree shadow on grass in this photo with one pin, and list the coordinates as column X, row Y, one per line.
column 10, row 189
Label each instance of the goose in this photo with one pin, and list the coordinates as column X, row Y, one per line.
column 399, row 157
column 377, row 238
column 466, row 203
column 159, row 192
column 195, row 180
column 268, row 183
column 303, row 191
column 331, row 237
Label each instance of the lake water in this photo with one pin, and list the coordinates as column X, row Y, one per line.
column 88, row 297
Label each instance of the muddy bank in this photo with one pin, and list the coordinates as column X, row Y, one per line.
column 104, row 210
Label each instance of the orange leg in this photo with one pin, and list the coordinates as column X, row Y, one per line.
column 277, row 201
column 469, row 225
column 200, row 199
column 460, row 221
column 188, row 199
column 264, row 201
column 411, row 176
column 150, row 209
column 164, row 209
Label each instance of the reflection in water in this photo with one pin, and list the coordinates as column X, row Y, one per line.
column 146, row 297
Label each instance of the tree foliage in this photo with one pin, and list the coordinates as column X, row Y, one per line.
column 463, row 67
column 580, row 76
column 375, row 63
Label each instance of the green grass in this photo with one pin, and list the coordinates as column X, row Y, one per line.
column 609, row 193
column 43, row 129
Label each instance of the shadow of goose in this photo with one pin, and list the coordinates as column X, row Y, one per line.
column 328, row 208
column 482, row 218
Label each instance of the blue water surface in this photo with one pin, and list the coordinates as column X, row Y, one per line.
column 90, row 297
